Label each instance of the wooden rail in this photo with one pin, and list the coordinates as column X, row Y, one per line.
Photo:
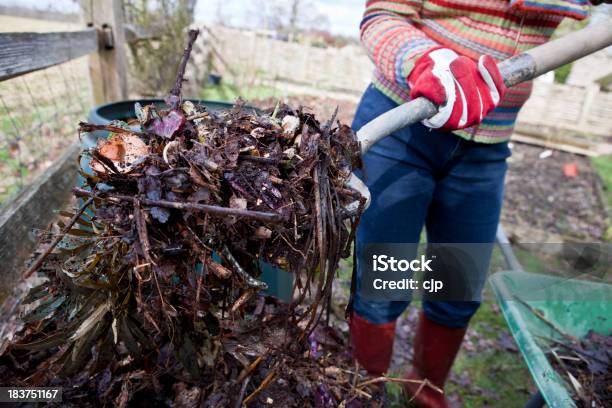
column 35, row 207
column 21, row 53
column 134, row 34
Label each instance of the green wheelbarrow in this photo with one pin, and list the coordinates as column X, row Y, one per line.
column 279, row 282
column 575, row 306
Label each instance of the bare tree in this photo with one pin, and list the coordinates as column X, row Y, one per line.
column 294, row 16
column 289, row 16
column 153, row 63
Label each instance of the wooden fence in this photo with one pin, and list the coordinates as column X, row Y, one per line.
column 21, row 53
column 566, row 110
column 553, row 111
column 244, row 54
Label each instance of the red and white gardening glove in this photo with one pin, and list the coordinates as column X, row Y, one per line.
column 464, row 90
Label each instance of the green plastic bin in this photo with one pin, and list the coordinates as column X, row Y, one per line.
column 584, row 306
column 280, row 282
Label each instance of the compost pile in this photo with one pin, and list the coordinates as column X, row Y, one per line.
column 585, row 364
column 153, row 294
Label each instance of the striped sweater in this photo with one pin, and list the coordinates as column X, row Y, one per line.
column 396, row 32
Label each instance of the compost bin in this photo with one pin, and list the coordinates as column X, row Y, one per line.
column 279, row 282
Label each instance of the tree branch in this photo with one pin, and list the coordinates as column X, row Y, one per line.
column 175, row 93
column 209, row 209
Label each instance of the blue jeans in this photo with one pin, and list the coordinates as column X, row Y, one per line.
column 423, row 178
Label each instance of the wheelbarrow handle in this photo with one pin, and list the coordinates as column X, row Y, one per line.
column 517, row 69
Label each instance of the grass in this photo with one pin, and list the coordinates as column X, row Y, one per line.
column 23, row 146
column 11, row 166
column 562, row 73
column 603, row 167
column 499, row 378
column 229, row 92
column 38, row 116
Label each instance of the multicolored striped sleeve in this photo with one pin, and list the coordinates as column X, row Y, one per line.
column 391, row 39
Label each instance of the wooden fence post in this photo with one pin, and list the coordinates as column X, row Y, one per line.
column 591, row 93
column 108, row 67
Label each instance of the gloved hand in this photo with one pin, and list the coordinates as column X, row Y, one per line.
column 464, row 90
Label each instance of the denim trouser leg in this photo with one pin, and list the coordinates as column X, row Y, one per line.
column 418, row 178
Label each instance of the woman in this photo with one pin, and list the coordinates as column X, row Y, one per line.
column 446, row 174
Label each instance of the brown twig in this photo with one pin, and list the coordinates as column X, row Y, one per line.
column 196, row 304
column 143, row 235
column 242, row 300
column 401, row 381
column 541, row 316
column 416, row 394
column 248, row 370
column 175, row 92
column 264, row 384
column 90, row 127
column 321, row 248
column 257, row 159
column 219, row 270
column 574, row 349
column 141, row 228
column 57, row 240
column 209, row 209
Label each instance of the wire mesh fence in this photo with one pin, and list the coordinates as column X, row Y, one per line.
column 38, row 117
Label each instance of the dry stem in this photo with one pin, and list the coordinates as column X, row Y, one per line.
column 57, row 240
column 210, row 209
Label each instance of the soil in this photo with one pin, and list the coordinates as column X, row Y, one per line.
column 539, row 195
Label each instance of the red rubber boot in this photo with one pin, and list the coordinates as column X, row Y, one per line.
column 372, row 343
column 435, row 348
